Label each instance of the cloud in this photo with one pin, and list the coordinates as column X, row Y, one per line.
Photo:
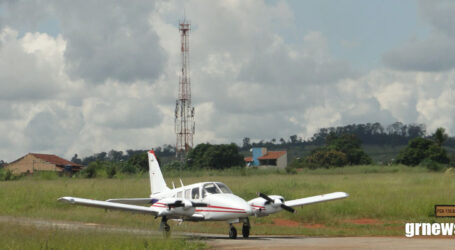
column 109, row 79
column 29, row 66
column 432, row 54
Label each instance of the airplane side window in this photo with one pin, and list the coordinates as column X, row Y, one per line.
column 187, row 194
column 179, row 194
column 195, row 193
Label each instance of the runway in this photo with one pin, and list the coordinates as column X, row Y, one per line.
column 220, row 241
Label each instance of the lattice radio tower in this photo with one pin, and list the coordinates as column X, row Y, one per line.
column 184, row 112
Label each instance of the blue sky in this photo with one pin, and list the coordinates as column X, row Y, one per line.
column 359, row 31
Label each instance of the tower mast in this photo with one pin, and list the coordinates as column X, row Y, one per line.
column 184, row 112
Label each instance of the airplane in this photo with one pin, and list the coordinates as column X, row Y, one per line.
column 204, row 201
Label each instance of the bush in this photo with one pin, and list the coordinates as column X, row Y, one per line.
column 89, row 171
column 420, row 149
column 128, row 169
column 432, row 165
column 6, row 175
column 111, row 171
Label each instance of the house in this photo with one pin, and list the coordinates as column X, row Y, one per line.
column 263, row 157
column 42, row 162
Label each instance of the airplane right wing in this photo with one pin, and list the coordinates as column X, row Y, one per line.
column 110, row 205
column 316, row 199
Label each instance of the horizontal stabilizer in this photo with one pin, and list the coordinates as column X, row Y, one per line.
column 109, row 205
column 317, row 199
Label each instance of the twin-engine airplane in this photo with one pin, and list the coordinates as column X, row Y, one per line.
column 204, row 201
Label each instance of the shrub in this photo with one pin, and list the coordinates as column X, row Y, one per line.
column 89, row 171
column 6, row 175
column 111, row 171
column 432, row 165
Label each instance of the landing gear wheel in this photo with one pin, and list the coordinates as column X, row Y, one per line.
column 167, row 231
column 246, row 231
column 165, row 228
column 246, row 228
column 233, row 233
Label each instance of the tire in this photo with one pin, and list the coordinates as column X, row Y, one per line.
column 245, row 232
column 233, row 233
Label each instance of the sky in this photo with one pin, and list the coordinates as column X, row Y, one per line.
column 90, row 76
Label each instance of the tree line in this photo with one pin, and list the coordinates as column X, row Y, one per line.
column 370, row 133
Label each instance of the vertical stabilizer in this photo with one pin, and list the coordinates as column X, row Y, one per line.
column 157, row 183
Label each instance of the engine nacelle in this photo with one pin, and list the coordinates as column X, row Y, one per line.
column 261, row 207
column 184, row 207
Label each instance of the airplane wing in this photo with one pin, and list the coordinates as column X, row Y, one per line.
column 109, row 205
column 316, row 199
column 133, row 201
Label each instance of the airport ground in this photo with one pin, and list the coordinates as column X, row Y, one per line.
column 382, row 200
column 26, row 233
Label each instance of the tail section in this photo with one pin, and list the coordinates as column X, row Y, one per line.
column 157, row 183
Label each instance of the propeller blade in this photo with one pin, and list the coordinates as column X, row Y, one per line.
column 288, row 208
column 264, row 196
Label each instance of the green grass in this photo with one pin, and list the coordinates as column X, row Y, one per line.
column 14, row 236
column 388, row 196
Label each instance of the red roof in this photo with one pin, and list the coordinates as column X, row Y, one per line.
column 55, row 160
column 248, row 159
column 272, row 155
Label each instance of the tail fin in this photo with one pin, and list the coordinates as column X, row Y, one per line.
column 157, row 183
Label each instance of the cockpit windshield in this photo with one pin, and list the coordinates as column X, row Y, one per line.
column 224, row 188
column 211, row 188
column 215, row 188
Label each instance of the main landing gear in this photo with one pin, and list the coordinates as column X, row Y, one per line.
column 245, row 230
column 165, row 228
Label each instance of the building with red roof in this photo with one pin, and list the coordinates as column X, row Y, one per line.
column 263, row 157
column 31, row 163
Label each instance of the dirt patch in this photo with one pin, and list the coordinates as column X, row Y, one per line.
column 286, row 223
column 363, row 221
column 314, row 226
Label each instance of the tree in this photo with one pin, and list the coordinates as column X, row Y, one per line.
column 420, row 149
column 138, row 161
column 246, row 143
column 440, row 136
column 214, row 156
column 76, row 160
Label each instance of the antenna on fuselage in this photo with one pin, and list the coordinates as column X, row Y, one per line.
column 181, row 182
column 173, row 185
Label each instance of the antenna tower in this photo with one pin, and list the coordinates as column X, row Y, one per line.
column 184, row 112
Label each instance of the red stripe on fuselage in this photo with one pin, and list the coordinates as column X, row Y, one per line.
column 227, row 208
column 221, row 211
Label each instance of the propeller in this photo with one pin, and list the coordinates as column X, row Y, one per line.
column 272, row 201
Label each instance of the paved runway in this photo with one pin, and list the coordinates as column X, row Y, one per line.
column 221, row 241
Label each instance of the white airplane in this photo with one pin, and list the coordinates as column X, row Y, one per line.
column 204, row 201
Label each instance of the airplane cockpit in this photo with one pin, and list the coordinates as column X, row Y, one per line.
column 215, row 188
column 203, row 190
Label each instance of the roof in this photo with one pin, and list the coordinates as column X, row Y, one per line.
column 55, row 160
column 272, row 155
column 248, row 159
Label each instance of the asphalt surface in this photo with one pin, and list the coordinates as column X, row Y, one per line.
column 216, row 241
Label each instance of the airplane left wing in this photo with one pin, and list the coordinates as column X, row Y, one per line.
column 110, row 205
column 316, row 199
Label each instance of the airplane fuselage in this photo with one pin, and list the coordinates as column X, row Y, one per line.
column 222, row 204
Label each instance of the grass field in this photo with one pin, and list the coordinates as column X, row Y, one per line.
column 14, row 236
column 381, row 199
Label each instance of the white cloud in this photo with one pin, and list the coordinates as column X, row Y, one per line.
column 109, row 80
